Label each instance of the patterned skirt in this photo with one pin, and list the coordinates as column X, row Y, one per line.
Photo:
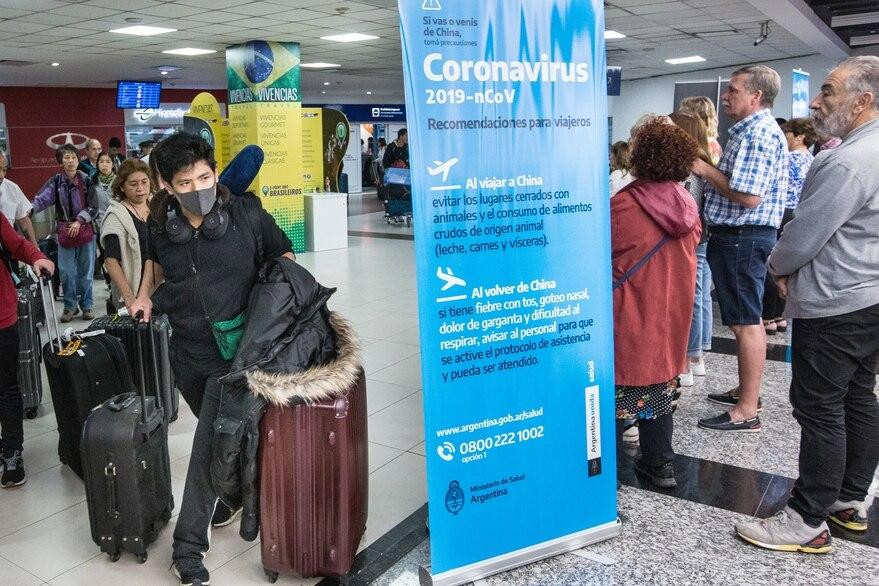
column 648, row 402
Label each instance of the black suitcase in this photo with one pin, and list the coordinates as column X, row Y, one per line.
column 28, row 284
column 127, row 468
column 83, row 372
column 127, row 329
column 30, row 380
column 49, row 247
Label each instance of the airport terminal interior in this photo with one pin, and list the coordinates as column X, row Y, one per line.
column 59, row 66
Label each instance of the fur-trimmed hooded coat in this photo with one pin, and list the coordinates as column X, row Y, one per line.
column 294, row 351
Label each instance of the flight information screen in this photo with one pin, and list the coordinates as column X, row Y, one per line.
column 138, row 94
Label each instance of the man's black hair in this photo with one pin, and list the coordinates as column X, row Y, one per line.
column 65, row 148
column 180, row 151
column 402, row 132
column 114, row 142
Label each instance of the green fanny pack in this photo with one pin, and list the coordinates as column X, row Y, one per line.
column 228, row 335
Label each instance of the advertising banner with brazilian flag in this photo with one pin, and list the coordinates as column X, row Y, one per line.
column 265, row 109
column 506, row 104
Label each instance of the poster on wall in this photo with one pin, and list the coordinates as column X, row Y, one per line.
column 205, row 118
column 514, row 282
column 312, row 159
column 265, row 110
column 336, row 133
column 800, row 94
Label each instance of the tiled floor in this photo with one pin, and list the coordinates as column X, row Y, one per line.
column 44, row 533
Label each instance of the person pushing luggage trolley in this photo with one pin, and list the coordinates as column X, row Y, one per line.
column 202, row 262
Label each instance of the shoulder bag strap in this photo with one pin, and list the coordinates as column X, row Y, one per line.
column 640, row 264
column 254, row 222
column 60, row 212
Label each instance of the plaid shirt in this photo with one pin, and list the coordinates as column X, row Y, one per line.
column 756, row 162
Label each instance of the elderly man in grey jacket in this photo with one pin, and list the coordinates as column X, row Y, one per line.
column 827, row 265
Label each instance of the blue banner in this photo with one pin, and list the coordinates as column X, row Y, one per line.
column 614, row 80
column 800, row 94
column 370, row 112
column 507, row 118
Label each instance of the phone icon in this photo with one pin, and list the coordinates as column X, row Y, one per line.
column 446, row 451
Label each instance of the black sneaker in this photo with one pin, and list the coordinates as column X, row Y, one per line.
column 191, row 572
column 662, row 476
column 224, row 515
column 13, row 470
column 730, row 399
column 724, row 422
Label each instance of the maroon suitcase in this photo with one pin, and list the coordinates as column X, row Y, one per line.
column 314, row 476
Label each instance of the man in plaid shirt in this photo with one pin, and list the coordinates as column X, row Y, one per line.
column 744, row 204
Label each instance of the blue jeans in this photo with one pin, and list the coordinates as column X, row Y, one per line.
column 703, row 313
column 77, row 266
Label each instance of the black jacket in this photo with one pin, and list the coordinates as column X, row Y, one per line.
column 210, row 280
column 293, row 351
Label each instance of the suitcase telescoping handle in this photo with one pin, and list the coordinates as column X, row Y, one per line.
column 147, row 330
column 48, row 300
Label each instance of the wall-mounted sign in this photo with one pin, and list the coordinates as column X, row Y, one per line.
column 614, row 80
column 371, row 112
column 167, row 114
column 799, row 94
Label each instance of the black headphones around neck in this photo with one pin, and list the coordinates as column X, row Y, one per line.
column 180, row 231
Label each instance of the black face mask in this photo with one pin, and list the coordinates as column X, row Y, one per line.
column 200, row 201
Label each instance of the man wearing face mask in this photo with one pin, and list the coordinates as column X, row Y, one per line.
column 202, row 262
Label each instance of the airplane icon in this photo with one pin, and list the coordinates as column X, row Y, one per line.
column 450, row 279
column 443, row 168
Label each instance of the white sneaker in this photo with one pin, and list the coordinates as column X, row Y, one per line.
column 697, row 367
column 687, row 379
column 786, row 531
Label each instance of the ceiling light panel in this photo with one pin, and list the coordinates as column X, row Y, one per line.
column 189, row 51
column 320, row 65
column 143, row 30
column 349, row 37
column 685, row 60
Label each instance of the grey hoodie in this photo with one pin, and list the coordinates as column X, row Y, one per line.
column 830, row 249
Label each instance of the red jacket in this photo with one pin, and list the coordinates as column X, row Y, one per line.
column 653, row 309
column 20, row 249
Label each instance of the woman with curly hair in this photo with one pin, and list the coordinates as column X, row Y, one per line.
column 655, row 229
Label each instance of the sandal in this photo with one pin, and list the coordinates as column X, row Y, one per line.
column 781, row 324
column 770, row 327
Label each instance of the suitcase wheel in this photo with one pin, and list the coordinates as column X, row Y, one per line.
column 272, row 576
column 31, row 413
column 114, row 557
column 142, row 558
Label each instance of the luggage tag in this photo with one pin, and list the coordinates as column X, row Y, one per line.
column 72, row 347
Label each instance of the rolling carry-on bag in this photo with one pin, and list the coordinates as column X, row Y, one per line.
column 127, row 468
column 314, row 474
column 30, row 381
column 83, row 371
column 127, row 329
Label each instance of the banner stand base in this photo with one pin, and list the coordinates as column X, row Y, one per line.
column 520, row 557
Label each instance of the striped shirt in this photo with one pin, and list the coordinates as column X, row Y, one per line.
column 756, row 162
